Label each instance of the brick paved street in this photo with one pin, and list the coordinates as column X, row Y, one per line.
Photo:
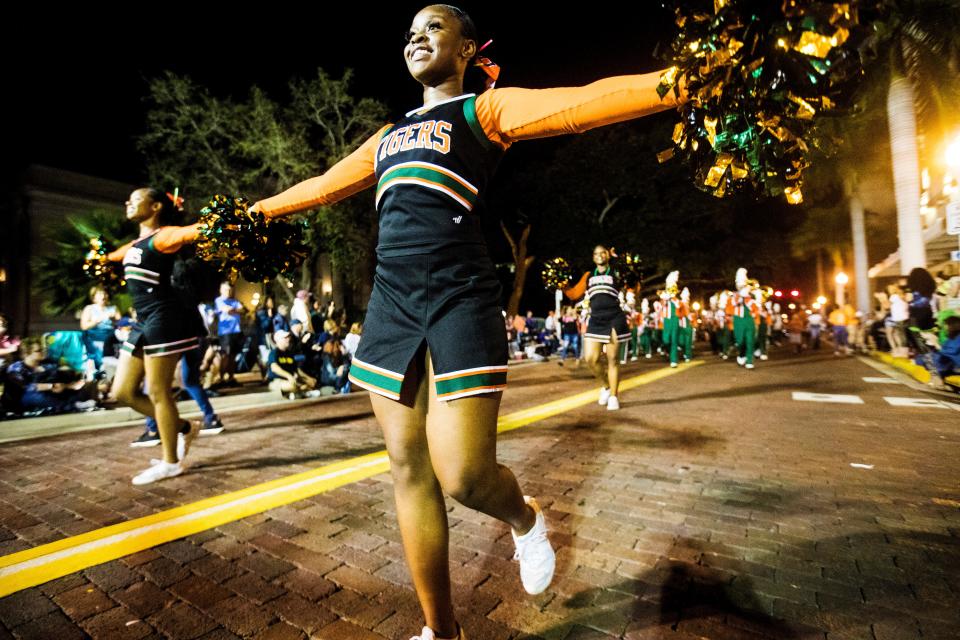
column 713, row 505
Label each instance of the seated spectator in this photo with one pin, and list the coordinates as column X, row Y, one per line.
column 284, row 374
column 281, row 319
column 96, row 322
column 35, row 385
column 331, row 331
column 308, row 350
column 352, row 339
column 8, row 346
column 296, row 329
column 947, row 359
column 335, row 367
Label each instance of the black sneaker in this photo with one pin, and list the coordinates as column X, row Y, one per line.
column 147, row 439
column 211, row 428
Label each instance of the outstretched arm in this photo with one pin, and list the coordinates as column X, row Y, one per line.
column 511, row 114
column 576, row 291
column 171, row 239
column 117, row 254
column 347, row 177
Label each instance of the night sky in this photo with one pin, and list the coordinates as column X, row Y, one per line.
column 80, row 78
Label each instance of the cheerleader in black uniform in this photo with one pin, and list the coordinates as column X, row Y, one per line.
column 166, row 327
column 434, row 353
column 607, row 328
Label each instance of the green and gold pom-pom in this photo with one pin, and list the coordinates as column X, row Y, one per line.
column 240, row 241
column 96, row 265
column 758, row 74
column 630, row 267
column 556, row 274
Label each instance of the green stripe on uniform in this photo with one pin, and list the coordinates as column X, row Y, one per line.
column 432, row 175
column 465, row 383
column 375, row 379
column 470, row 113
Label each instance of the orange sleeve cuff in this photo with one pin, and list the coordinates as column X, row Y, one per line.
column 508, row 115
column 347, row 177
column 170, row 239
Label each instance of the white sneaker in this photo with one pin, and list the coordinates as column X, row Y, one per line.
column 741, row 361
column 184, row 440
column 613, row 404
column 673, row 365
column 763, row 356
column 536, row 556
column 633, row 359
column 604, row 396
column 429, row 634
column 749, row 365
column 648, row 356
column 159, row 471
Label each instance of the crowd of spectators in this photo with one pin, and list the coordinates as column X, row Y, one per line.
column 299, row 350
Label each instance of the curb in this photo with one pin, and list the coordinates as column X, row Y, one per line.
column 915, row 371
column 49, row 426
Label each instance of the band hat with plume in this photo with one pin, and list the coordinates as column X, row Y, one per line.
column 672, row 279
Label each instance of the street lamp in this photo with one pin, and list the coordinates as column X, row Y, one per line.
column 842, row 279
column 821, row 300
column 953, row 153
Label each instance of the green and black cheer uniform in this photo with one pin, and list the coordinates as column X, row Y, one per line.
column 606, row 314
column 165, row 325
column 435, row 283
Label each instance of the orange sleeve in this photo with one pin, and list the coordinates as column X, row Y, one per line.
column 117, row 254
column 508, row 115
column 576, row 291
column 347, row 177
column 170, row 239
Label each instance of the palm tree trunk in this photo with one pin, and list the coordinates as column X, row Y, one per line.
column 859, row 246
column 902, row 120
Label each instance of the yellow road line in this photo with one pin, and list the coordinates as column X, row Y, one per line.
column 47, row 562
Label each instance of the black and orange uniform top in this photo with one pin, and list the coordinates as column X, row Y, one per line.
column 165, row 324
column 602, row 290
column 434, row 283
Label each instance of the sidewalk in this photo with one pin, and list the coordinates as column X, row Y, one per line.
column 55, row 425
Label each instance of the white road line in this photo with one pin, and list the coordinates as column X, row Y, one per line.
column 917, row 403
column 826, row 397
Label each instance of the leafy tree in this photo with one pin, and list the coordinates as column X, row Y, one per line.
column 258, row 146
column 59, row 276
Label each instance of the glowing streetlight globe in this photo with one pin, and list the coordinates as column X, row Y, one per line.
column 842, row 278
column 821, row 300
column 953, row 153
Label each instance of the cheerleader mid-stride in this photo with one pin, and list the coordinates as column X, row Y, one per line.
column 607, row 328
column 166, row 328
column 433, row 352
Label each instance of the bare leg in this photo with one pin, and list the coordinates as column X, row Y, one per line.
column 421, row 511
column 160, row 370
column 128, row 383
column 591, row 354
column 613, row 363
column 463, row 433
